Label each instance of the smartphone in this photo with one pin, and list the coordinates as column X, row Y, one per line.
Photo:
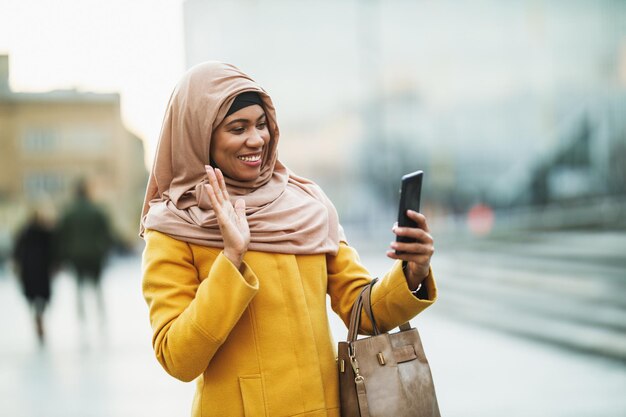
column 410, row 194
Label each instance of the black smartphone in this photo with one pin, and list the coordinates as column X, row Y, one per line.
column 410, row 194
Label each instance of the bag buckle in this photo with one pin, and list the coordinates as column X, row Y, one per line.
column 355, row 365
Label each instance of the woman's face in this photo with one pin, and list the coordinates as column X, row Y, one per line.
column 237, row 145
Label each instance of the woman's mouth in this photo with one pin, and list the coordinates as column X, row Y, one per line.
column 253, row 159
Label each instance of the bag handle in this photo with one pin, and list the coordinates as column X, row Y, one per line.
column 367, row 304
column 355, row 315
column 364, row 301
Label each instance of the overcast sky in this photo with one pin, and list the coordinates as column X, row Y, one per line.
column 134, row 47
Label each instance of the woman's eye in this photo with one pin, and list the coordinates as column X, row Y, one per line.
column 238, row 130
column 261, row 125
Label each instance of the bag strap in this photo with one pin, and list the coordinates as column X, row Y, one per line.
column 367, row 305
column 361, row 394
column 355, row 316
column 364, row 301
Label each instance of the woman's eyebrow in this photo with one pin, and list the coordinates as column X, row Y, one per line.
column 237, row 121
column 243, row 120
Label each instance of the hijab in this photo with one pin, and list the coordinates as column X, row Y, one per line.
column 286, row 213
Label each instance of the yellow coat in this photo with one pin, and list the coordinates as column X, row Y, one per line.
column 260, row 340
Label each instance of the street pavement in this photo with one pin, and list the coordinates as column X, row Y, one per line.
column 485, row 360
column 567, row 289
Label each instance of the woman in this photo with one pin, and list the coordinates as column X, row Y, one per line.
column 34, row 263
column 240, row 254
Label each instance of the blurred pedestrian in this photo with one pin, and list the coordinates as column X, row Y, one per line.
column 34, row 263
column 84, row 239
column 241, row 253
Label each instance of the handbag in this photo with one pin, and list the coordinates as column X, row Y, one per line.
column 385, row 375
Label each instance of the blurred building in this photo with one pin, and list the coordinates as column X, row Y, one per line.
column 588, row 161
column 50, row 140
column 580, row 182
column 481, row 95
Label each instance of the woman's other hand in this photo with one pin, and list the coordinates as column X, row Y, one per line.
column 232, row 220
column 417, row 255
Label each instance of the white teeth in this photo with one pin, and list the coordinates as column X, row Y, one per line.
column 252, row 158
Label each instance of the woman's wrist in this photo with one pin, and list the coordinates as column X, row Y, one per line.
column 235, row 258
column 413, row 281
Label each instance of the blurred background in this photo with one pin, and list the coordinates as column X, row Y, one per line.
column 515, row 111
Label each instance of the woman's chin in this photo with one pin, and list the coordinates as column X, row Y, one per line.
column 246, row 175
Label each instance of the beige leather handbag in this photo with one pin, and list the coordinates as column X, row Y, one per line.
column 385, row 375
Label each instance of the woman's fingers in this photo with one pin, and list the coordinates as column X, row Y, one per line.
column 211, row 194
column 421, row 233
column 215, row 203
column 222, row 183
column 414, row 233
column 214, row 184
column 420, row 259
column 419, row 218
column 413, row 248
column 419, row 251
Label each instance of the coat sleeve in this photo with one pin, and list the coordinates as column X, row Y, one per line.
column 191, row 317
column 392, row 301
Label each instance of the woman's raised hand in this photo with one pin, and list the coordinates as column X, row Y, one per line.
column 417, row 255
column 232, row 220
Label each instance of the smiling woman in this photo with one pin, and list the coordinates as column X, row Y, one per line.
column 241, row 253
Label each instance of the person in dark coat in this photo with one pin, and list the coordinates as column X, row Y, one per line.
column 84, row 239
column 34, row 262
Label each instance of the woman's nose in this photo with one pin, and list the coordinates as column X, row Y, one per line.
column 255, row 140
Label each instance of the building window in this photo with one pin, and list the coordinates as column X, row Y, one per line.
column 85, row 140
column 38, row 184
column 40, row 141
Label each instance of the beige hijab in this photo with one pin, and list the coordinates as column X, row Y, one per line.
column 286, row 213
